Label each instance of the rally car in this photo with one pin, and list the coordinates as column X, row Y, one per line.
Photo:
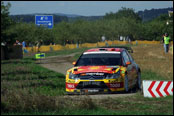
column 103, row 70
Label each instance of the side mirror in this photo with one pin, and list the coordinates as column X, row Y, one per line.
column 128, row 63
column 74, row 63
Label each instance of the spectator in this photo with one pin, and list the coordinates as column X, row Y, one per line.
column 38, row 44
column 24, row 47
column 17, row 42
column 103, row 38
column 23, row 44
column 166, row 41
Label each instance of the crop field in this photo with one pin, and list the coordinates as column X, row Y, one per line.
column 30, row 89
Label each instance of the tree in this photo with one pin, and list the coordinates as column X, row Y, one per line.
column 6, row 22
column 124, row 12
column 155, row 28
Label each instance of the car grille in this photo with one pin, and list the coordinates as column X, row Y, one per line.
column 93, row 77
column 91, row 84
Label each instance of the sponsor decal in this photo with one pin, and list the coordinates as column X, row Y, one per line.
column 93, row 90
column 99, row 74
column 83, row 74
column 108, row 69
column 115, row 85
column 94, row 67
column 80, row 69
column 70, row 85
column 122, row 72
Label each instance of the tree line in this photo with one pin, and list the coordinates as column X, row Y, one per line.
column 31, row 18
column 124, row 22
column 148, row 15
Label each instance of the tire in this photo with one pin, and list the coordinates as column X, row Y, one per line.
column 126, row 84
column 139, row 87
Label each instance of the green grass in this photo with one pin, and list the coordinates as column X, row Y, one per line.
column 26, row 74
column 29, row 89
column 149, row 75
column 135, row 105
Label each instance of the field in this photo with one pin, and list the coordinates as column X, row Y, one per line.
column 29, row 88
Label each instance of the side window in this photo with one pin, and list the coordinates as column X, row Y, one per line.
column 125, row 58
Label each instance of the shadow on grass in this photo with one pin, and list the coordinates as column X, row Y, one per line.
column 131, row 91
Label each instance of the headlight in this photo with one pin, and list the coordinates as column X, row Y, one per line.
column 72, row 76
column 113, row 76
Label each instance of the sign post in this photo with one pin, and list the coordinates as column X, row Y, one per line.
column 44, row 20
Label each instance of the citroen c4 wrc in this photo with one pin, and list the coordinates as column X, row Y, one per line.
column 103, row 70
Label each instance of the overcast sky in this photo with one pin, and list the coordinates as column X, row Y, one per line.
column 85, row 8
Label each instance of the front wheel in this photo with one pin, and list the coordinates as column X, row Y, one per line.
column 126, row 84
column 139, row 81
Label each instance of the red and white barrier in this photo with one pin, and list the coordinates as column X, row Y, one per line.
column 157, row 88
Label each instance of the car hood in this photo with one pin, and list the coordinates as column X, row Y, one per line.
column 91, row 69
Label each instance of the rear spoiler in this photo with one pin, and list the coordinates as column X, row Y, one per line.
column 129, row 49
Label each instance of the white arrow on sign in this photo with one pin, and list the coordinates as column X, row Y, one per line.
column 41, row 18
column 49, row 24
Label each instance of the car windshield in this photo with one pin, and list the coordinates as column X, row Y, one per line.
column 108, row 59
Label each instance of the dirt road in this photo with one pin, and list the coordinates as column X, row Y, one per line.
column 58, row 63
column 62, row 63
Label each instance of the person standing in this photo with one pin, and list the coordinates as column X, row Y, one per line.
column 166, row 42
column 103, row 38
column 23, row 44
column 24, row 47
column 17, row 42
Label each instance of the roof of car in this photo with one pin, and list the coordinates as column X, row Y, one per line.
column 105, row 50
column 128, row 48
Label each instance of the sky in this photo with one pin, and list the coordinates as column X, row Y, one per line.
column 84, row 8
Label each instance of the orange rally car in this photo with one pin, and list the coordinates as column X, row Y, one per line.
column 103, row 70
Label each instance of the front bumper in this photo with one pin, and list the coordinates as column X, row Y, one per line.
column 93, row 87
column 89, row 91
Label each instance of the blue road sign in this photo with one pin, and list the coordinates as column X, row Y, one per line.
column 44, row 20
